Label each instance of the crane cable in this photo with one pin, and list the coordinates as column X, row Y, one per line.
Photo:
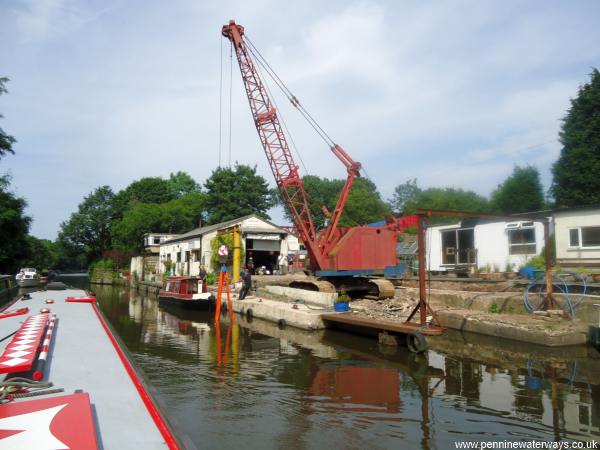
column 288, row 93
column 261, row 60
column 280, row 115
column 230, row 95
column 221, row 104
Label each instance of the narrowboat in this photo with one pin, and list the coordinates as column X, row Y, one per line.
column 89, row 397
column 186, row 293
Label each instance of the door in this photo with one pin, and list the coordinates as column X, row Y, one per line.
column 449, row 247
column 466, row 246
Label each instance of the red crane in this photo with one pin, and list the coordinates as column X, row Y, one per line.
column 334, row 251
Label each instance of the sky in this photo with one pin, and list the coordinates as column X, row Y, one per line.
column 452, row 93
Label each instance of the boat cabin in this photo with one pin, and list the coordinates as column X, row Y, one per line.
column 183, row 287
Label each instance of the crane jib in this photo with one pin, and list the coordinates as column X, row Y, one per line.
column 333, row 248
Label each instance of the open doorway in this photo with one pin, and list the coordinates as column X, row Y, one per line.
column 262, row 254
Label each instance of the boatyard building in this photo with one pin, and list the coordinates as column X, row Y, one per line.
column 261, row 240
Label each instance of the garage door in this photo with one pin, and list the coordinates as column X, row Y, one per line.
column 271, row 242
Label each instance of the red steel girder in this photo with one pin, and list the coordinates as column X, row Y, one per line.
column 275, row 145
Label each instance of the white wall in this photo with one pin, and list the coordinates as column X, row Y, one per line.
column 181, row 246
column 292, row 244
column 574, row 219
column 251, row 225
column 491, row 242
column 433, row 241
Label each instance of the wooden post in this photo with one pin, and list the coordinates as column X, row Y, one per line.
column 547, row 257
column 422, row 250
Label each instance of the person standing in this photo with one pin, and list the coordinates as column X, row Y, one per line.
column 246, row 284
column 202, row 275
column 250, row 265
column 282, row 264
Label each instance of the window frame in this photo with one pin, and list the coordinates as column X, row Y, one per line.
column 580, row 245
column 510, row 231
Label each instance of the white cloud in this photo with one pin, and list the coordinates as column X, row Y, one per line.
column 452, row 93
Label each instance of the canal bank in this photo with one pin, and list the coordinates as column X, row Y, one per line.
column 496, row 313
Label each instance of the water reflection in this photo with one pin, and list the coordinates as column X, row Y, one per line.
column 254, row 384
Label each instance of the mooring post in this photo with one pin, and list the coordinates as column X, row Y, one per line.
column 548, row 258
column 422, row 291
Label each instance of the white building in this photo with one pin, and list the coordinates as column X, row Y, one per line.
column 478, row 243
column 152, row 241
column 261, row 240
column 577, row 233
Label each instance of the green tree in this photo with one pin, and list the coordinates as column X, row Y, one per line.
column 68, row 258
column 232, row 193
column 177, row 216
column 6, row 141
column 321, row 192
column 364, row 204
column 404, row 193
column 181, row 183
column 14, row 226
column 520, row 192
column 43, row 253
column 88, row 229
column 447, row 199
column 144, row 190
column 576, row 174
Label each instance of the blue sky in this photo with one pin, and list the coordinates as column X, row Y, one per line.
column 453, row 93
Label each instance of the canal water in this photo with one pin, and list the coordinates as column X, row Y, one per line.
column 251, row 385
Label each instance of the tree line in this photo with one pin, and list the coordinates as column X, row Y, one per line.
column 106, row 219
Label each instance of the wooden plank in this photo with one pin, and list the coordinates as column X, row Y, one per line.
column 398, row 327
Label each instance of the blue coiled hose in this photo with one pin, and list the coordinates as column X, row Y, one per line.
column 569, row 304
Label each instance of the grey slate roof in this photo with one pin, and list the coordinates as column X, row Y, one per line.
column 200, row 231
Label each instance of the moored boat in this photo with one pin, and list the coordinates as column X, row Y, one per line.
column 7, row 288
column 28, row 277
column 186, row 292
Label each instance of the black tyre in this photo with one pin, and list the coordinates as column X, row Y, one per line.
column 416, row 342
column 281, row 323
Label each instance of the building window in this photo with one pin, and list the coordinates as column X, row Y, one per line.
column 584, row 237
column 521, row 242
column 196, row 255
column 574, row 237
column 156, row 240
column 178, row 256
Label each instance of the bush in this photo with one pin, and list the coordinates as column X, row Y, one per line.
column 227, row 240
column 211, row 278
column 539, row 263
column 343, row 298
column 105, row 264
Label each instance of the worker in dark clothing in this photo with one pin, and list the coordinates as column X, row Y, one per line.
column 246, row 284
column 202, row 275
